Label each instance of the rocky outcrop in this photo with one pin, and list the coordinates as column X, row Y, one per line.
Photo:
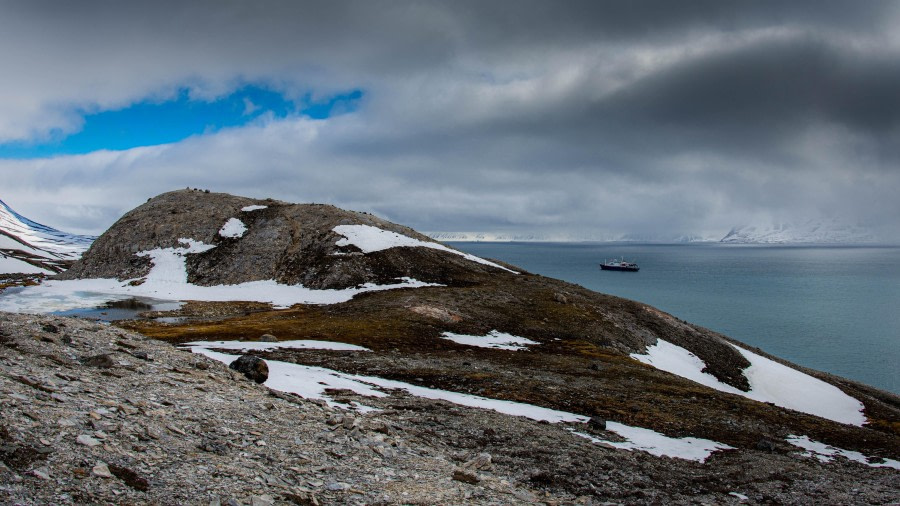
column 289, row 243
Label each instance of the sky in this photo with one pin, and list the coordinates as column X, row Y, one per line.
column 563, row 119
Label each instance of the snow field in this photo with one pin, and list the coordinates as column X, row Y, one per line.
column 826, row 453
column 40, row 237
column 660, row 445
column 494, row 339
column 9, row 264
column 311, row 382
column 303, row 344
column 769, row 381
column 370, row 239
column 253, row 208
column 167, row 280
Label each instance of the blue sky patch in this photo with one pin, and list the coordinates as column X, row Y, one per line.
column 150, row 123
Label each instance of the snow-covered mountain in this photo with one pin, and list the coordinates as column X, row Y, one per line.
column 29, row 247
column 812, row 231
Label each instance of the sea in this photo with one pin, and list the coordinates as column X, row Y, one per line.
column 831, row 308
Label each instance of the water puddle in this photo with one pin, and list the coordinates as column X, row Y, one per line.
column 123, row 309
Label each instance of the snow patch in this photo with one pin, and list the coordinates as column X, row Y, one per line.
column 167, row 280
column 674, row 359
column 370, row 239
column 826, row 453
column 769, row 381
column 311, row 382
column 304, row 344
column 494, row 339
column 253, row 208
column 9, row 264
column 660, row 445
column 233, row 228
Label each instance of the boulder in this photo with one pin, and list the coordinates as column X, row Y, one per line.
column 254, row 368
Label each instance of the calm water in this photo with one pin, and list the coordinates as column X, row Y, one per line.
column 835, row 309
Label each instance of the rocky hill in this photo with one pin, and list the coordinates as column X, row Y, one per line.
column 268, row 240
column 572, row 393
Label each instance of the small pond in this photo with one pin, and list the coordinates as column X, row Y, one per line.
column 124, row 309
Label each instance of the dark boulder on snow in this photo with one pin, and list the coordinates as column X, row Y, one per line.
column 254, row 368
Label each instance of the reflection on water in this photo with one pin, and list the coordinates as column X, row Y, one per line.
column 122, row 309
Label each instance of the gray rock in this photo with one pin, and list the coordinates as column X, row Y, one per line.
column 262, row 500
column 42, row 473
column 101, row 470
column 268, row 338
column 87, row 440
column 481, row 461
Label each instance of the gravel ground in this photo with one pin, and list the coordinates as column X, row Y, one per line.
column 96, row 415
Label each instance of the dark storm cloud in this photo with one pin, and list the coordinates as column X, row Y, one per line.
column 781, row 85
column 588, row 117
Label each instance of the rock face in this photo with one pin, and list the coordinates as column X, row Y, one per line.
column 289, row 243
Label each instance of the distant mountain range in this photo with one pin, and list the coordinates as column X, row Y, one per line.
column 29, row 247
column 533, row 237
column 812, row 231
column 809, row 232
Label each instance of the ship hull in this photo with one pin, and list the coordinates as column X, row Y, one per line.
column 618, row 268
